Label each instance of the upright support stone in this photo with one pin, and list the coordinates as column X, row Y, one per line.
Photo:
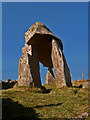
column 60, row 66
column 50, row 78
column 68, row 77
column 28, row 71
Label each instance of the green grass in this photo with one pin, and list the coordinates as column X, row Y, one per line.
column 27, row 103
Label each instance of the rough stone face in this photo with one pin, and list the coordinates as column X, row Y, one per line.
column 28, row 71
column 50, row 78
column 86, row 84
column 62, row 73
column 58, row 64
column 68, row 77
column 39, row 29
column 41, row 45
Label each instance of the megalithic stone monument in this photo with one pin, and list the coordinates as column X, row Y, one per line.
column 41, row 45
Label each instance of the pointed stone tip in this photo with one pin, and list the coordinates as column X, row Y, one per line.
column 39, row 23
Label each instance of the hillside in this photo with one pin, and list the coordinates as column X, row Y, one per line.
column 22, row 103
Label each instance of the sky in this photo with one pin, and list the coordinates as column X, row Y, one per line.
column 68, row 21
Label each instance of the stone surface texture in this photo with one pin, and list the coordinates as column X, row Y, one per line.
column 41, row 45
column 28, row 70
column 62, row 72
column 50, row 78
column 86, row 84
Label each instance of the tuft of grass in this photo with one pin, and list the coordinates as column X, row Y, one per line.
column 31, row 103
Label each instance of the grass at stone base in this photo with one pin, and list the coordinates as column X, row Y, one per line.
column 26, row 103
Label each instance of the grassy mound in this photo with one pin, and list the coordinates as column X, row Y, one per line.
column 22, row 103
